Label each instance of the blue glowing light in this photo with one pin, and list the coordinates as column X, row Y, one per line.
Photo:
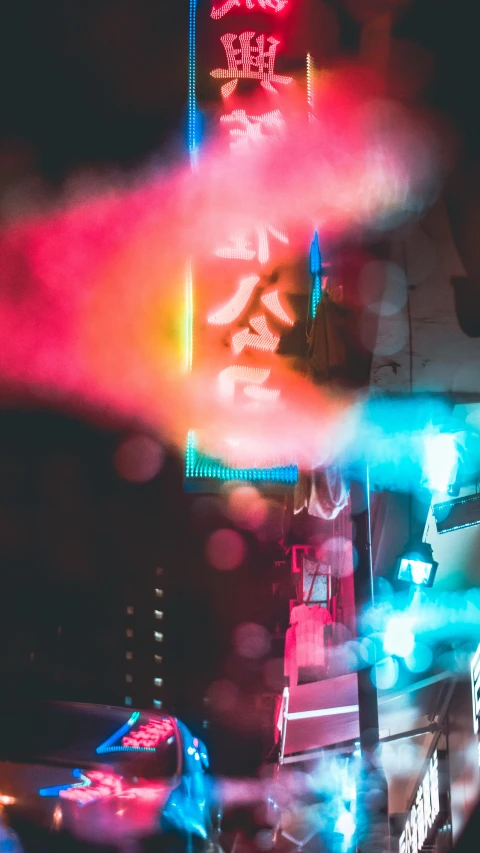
column 399, row 639
column 420, row 659
column 108, row 745
column 385, row 674
column 199, row 467
column 55, row 790
column 345, row 825
column 316, row 273
column 414, row 570
column 192, row 83
column 440, row 461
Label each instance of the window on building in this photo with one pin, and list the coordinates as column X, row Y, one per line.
column 129, row 655
column 158, row 682
column 158, row 614
column 129, row 632
column 128, row 700
column 159, row 593
column 130, row 610
column 158, row 637
column 157, row 704
column 129, row 678
column 158, row 659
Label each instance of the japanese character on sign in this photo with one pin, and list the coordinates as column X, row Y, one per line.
column 424, row 811
column 420, row 818
column 251, row 378
column 266, row 5
column 434, row 793
column 242, row 248
column 249, row 62
column 252, row 128
column 412, row 827
column 234, row 308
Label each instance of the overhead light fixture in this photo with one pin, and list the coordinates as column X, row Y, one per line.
column 417, row 566
column 457, row 513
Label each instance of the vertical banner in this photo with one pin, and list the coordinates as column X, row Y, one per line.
column 246, row 56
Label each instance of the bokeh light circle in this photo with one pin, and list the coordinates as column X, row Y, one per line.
column 247, row 508
column 223, row 695
column 225, row 549
column 138, row 458
column 251, row 640
column 385, row 674
column 420, row 658
column 383, row 287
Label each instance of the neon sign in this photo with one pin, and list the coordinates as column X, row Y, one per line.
column 149, row 736
column 424, row 811
column 266, row 5
column 98, row 785
column 249, row 62
column 475, row 678
column 252, row 128
column 144, row 739
column 254, row 315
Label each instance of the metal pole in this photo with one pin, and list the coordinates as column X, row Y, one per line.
column 372, row 791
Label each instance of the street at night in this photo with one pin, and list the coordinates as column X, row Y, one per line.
column 239, row 426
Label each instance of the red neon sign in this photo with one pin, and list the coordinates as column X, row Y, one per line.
column 249, row 62
column 252, row 129
column 149, row 735
column 266, row 5
column 100, row 785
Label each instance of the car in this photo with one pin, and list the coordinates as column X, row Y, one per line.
column 100, row 774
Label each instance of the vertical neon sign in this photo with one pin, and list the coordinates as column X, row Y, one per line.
column 255, row 311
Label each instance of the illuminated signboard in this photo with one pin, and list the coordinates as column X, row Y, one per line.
column 248, row 319
column 475, row 678
column 144, row 739
column 424, row 811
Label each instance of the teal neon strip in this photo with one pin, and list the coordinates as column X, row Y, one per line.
column 105, row 746
column 204, row 468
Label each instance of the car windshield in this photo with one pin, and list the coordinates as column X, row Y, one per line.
column 83, row 736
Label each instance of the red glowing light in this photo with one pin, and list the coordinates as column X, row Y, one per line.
column 252, row 128
column 248, row 62
column 272, row 302
column 232, row 310
column 101, row 785
column 264, row 339
column 248, row 376
column 266, row 5
column 149, row 735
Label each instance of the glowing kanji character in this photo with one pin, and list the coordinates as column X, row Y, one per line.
column 434, row 793
column 272, row 302
column 233, row 309
column 263, row 340
column 427, row 805
column 413, row 830
column 242, row 248
column 251, row 378
column 421, row 830
column 266, row 5
column 252, row 128
column 249, row 62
